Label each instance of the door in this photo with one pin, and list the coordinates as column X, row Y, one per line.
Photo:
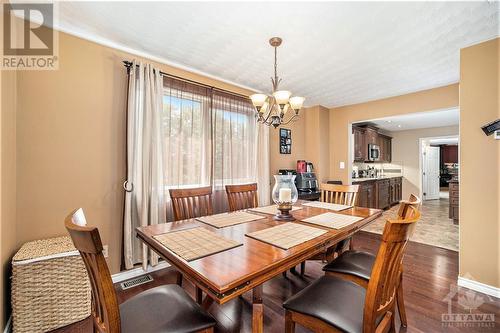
column 430, row 173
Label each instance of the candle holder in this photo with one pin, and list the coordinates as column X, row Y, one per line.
column 284, row 195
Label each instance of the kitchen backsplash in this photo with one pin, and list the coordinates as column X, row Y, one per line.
column 390, row 169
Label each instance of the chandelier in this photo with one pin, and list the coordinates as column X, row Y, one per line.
column 280, row 107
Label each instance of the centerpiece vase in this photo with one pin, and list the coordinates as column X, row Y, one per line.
column 284, row 196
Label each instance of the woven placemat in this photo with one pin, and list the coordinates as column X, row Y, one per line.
column 195, row 243
column 272, row 209
column 326, row 205
column 333, row 220
column 228, row 219
column 287, row 235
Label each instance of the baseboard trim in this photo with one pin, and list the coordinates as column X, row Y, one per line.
column 478, row 286
column 132, row 273
column 8, row 326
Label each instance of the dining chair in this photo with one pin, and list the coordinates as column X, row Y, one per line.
column 242, row 196
column 148, row 311
column 333, row 304
column 357, row 266
column 190, row 203
column 337, row 194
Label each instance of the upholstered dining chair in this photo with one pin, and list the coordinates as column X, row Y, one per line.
column 357, row 266
column 333, row 304
column 149, row 311
column 337, row 194
column 190, row 203
column 242, row 196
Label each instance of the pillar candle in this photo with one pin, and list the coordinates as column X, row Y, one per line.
column 285, row 195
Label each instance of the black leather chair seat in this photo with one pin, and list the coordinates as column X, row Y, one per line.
column 337, row 302
column 355, row 263
column 163, row 309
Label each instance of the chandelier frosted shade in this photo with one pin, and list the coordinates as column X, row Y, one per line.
column 296, row 102
column 258, row 100
column 282, row 97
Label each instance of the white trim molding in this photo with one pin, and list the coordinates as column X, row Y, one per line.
column 132, row 273
column 478, row 286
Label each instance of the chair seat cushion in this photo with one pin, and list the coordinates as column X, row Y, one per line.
column 339, row 303
column 355, row 263
column 163, row 309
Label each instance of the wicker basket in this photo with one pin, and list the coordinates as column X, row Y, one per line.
column 50, row 286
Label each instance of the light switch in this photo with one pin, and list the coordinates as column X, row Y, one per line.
column 342, row 165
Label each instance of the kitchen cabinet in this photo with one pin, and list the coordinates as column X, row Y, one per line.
column 383, row 193
column 449, row 154
column 453, row 205
column 366, row 194
column 360, row 148
column 363, row 136
column 379, row 193
column 395, row 190
column 385, row 144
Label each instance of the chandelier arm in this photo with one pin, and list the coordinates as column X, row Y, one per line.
column 290, row 120
column 271, row 106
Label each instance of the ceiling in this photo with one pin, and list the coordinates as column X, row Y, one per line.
column 439, row 118
column 334, row 53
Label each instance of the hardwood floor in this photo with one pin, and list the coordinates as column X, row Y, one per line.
column 429, row 273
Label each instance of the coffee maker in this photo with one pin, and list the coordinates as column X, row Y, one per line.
column 306, row 178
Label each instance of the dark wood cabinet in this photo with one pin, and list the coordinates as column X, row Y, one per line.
column 385, row 144
column 379, row 193
column 453, row 208
column 395, row 190
column 366, row 194
column 360, row 148
column 449, row 154
column 363, row 136
column 383, row 193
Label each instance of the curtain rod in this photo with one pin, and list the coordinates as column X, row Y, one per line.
column 128, row 64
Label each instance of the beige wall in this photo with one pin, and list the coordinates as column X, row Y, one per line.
column 8, row 240
column 341, row 117
column 71, row 142
column 405, row 152
column 310, row 142
column 479, row 163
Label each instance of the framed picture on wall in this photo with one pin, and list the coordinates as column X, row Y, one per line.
column 285, row 141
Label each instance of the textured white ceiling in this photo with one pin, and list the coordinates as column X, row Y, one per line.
column 438, row 118
column 333, row 53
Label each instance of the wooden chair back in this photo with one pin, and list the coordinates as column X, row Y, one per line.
column 242, row 196
column 404, row 205
column 384, row 279
column 192, row 202
column 105, row 310
column 339, row 194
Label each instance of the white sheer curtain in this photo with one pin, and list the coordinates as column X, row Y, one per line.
column 187, row 136
column 145, row 197
column 235, row 136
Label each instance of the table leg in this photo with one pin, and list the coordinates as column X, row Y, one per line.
column 207, row 302
column 257, row 310
column 199, row 295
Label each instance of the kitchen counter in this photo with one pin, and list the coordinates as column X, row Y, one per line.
column 365, row 179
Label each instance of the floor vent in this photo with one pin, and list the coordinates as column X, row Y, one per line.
column 136, row 281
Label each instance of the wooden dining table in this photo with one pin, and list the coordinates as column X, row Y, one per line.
column 226, row 275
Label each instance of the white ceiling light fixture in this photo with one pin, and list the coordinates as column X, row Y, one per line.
column 273, row 109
